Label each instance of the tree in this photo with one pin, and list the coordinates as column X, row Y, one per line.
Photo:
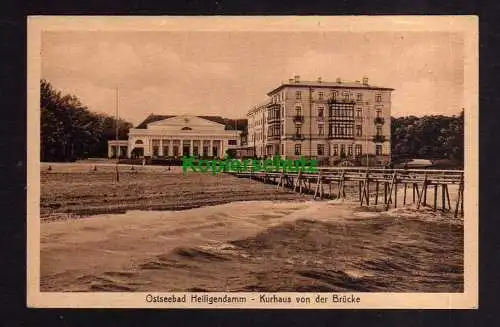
column 69, row 131
column 436, row 137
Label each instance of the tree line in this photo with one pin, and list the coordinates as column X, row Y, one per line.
column 70, row 131
column 428, row 137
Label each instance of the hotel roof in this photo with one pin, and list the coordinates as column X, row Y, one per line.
column 349, row 85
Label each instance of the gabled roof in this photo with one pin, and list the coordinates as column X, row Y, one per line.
column 230, row 124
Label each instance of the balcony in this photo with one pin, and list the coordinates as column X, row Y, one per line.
column 298, row 137
column 341, row 100
column 298, row 119
column 379, row 138
column 340, row 137
column 273, row 137
column 272, row 120
column 379, row 121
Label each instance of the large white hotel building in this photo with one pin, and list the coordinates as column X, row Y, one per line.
column 327, row 121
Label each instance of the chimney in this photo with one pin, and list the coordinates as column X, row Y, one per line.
column 290, row 80
column 365, row 80
column 338, row 80
column 319, row 79
column 297, row 78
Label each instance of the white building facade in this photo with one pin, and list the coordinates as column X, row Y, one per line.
column 177, row 136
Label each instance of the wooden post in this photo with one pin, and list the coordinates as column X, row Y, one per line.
column 435, row 196
column 320, row 185
column 413, row 192
column 385, row 192
column 341, row 192
column 448, row 197
column 404, row 196
column 295, row 182
column 367, row 185
column 423, row 192
column 460, row 199
column 396, row 193
column 390, row 191
column 443, row 200
column 316, row 191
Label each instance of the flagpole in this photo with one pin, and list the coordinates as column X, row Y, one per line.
column 116, row 136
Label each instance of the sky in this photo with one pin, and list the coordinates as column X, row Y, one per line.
column 226, row 73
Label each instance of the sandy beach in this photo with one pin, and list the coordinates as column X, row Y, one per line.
column 271, row 241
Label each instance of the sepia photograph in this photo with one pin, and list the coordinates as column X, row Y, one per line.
column 253, row 162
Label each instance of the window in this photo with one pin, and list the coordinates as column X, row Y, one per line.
column 378, row 98
column 232, row 142
column 321, row 149
column 282, row 112
column 298, row 130
column 298, row 110
column 282, row 149
column 321, row 95
column 359, row 130
column 297, row 149
column 139, row 142
column 379, row 130
column 359, row 113
column 349, row 150
column 321, row 130
column 346, row 96
column 156, row 150
column 195, row 150
column 165, row 150
column 282, row 130
column 335, row 149
column 176, row 150
column 358, row 149
column 298, row 95
column 379, row 112
column 334, row 95
column 321, row 111
column 378, row 149
column 359, row 97
column 342, row 149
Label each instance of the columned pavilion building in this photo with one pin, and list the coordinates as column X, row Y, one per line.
column 160, row 136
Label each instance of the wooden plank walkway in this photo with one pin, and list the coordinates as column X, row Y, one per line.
column 368, row 185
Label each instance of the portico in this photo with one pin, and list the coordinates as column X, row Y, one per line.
column 177, row 136
column 117, row 148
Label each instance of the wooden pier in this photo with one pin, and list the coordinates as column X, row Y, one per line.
column 372, row 186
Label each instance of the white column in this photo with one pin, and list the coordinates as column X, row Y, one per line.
column 160, row 153
column 210, row 148
column 191, row 147
column 170, row 148
column 110, row 153
column 129, row 149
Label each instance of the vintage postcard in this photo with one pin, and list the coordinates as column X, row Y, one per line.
column 312, row 162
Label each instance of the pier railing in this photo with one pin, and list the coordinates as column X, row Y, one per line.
column 370, row 186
